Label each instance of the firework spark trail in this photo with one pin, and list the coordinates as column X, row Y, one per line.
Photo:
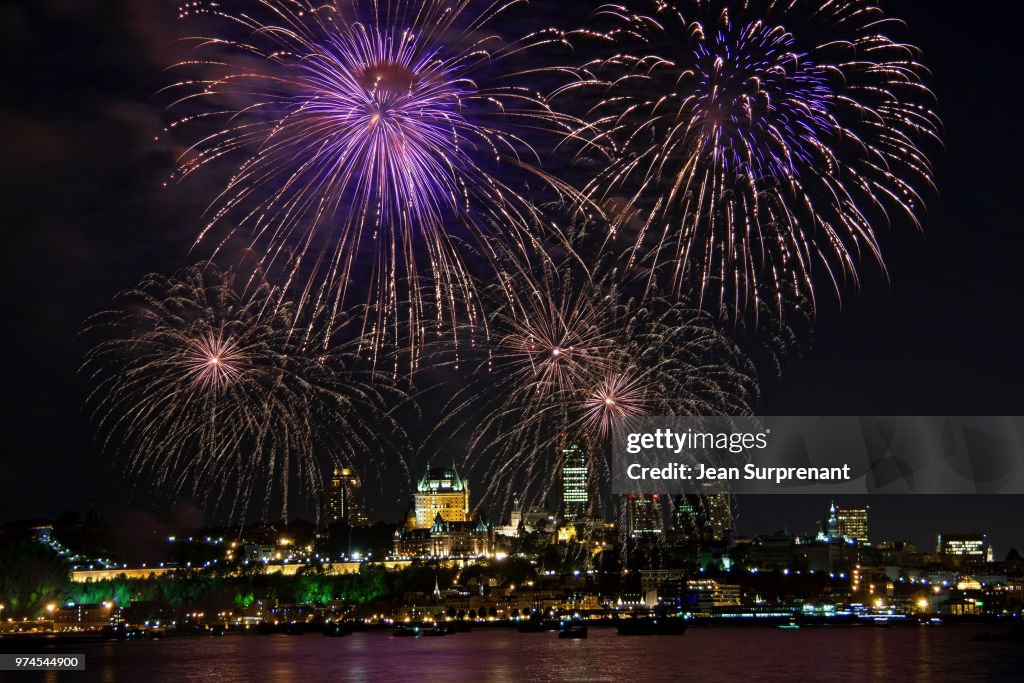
column 627, row 358
column 754, row 145
column 205, row 389
column 552, row 338
column 372, row 134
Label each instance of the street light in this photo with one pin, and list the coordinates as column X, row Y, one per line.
column 53, row 623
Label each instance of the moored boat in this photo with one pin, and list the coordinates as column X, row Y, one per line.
column 406, row 632
column 438, row 630
column 335, row 629
column 570, row 630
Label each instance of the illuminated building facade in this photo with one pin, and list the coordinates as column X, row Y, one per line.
column 845, row 525
column 958, row 549
column 526, row 519
column 684, row 517
column 703, row 517
column 343, row 504
column 644, row 516
column 719, row 515
column 440, row 492
column 72, row 617
column 444, row 539
column 708, row 593
column 575, row 458
column 853, row 523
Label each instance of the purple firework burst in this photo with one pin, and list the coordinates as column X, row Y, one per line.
column 754, row 146
column 372, row 139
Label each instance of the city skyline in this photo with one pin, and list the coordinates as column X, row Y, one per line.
column 715, row 576
column 456, row 335
column 890, row 352
column 441, row 505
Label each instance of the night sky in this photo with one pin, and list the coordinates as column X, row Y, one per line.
column 85, row 215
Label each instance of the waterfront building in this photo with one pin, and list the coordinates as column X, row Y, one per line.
column 708, row 593
column 84, row 617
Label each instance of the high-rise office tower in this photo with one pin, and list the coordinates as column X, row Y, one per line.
column 719, row 515
column 575, row 459
column 703, row 517
column 644, row 516
column 343, row 504
column 853, row 523
column 684, row 517
column 846, row 524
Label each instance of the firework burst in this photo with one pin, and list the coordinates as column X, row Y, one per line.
column 207, row 391
column 554, row 341
column 755, row 145
column 620, row 394
column 629, row 358
column 374, row 138
column 214, row 361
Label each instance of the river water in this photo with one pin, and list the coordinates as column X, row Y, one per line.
column 755, row 654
